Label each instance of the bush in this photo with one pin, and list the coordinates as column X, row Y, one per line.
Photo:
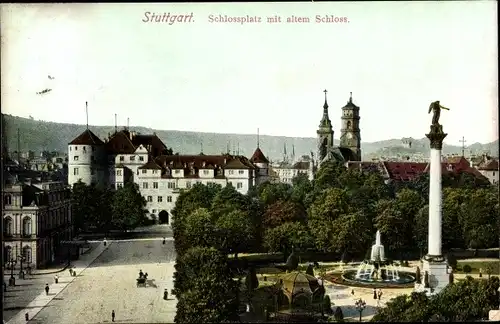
column 467, row 268
column 338, row 315
column 293, row 262
column 310, row 270
column 251, row 280
column 327, row 304
column 452, row 261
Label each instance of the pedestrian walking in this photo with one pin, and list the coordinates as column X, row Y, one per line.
column 379, row 293
column 352, row 292
column 164, row 240
column 105, row 242
column 47, row 289
column 113, row 315
column 375, row 293
column 480, row 272
column 56, row 279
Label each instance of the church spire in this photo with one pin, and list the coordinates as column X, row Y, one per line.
column 350, row 97
column 325, row 121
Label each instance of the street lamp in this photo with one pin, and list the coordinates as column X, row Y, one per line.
column 360, row 306
column 22, row 259
column 12, row 263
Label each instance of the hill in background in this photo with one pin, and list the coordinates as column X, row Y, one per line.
column 38, row 136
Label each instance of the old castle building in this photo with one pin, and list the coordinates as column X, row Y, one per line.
column 350, row 135
column 126, row 156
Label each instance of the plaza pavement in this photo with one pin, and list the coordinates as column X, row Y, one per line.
column 32, row 288
column 110, row 284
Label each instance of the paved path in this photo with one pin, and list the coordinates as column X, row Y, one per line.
column 43, row 299
column 110, row 284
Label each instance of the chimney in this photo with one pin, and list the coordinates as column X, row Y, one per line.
column 131, row 135
column 225, row 160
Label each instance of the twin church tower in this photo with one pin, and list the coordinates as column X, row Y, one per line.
column 350, row 135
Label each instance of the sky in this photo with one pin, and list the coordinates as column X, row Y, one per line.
column 233, row 77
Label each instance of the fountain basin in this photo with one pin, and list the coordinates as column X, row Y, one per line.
column 348, row 278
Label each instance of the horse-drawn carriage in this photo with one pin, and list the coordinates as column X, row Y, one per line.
column 142, row 280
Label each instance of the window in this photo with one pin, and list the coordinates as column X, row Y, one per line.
column 119, row 185
column 231, row 171
column 206, row 172
column 177, row 171
column 153, row 211
column 493, row 173
column 75, row 158
column 118, row 172
column 155, row 185
column 76, row 148
column 144, row 185
column 239, row 185
column 7, row 226
column 241, row 171
column 122, row 158
column 188, row 184
column 150, row 198
column 144, row 171
column 141, row 158
column 171, row 185
column 26, row 226
column 7, row 200
column 160, row 198
column 92, row 158
column 8, row 253
column 132, row 158
column 169, row 198
column 27, row 254
column 75, row 171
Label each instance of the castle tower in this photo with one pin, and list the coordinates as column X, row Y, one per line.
column 259, row 159
column 350, row 134
column 325, row 133
column 86, row 157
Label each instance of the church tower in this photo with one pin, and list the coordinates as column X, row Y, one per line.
column 325, row 133
column 350, row 134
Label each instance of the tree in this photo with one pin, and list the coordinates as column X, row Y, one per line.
column 351, row 233
column 128, row 207
column 205, row 288
column 328, row 175
column 479, row 219
column 281, row 212
column 395, row 219
column 199, row 196
column 421, row 228
column 235, row 231
column 301, row 187
column 287, row 235
column 227, row 200
column 272, row 192
column 200, row 229
column 251, row 280
column 338, row 315
column 91, row 206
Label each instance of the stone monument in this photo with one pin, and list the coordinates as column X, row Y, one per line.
column 434, row 264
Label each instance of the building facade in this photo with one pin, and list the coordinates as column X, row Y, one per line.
column 36, row 218
column 127, row 156
column 490, row 169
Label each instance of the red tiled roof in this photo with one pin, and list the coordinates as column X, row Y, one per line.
column 491, row 165
column 404, row 171
column 302, row 165
column 258, row 157
column 87, row 138
column 126, row 142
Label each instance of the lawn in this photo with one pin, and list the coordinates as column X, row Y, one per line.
column 494, row 265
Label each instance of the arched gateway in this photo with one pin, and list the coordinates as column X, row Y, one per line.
column 164, row 217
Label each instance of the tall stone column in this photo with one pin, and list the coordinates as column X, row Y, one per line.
column 436, row 137
column 433, row 264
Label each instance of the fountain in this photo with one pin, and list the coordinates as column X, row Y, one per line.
column 378, row 270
